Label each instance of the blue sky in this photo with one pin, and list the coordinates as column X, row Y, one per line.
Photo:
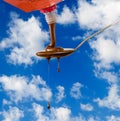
column 88, row 86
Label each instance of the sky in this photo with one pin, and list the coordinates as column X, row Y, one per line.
column 88, row 86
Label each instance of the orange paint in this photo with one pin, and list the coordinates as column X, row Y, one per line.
column 32, row 5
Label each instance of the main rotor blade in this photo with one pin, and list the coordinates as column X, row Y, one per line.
column 96, row 33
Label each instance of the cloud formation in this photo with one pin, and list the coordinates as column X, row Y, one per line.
column 112, row 101
column 61, row 94
column 86, row 107
column 13, row 114
column 76, row 90
column 25, row 38
column 113, row 118
column 59, row 114
column 105, row 51
column 20, row 87
column 97, row 14
column 67, row 16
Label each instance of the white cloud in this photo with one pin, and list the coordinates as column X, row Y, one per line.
column 6, row 102
column 105, row 51
column 75, row 90
column 59, row 114
column 97, row 13
column 94, row 15
column 39, row 113
column 66, row 17
column 25, row 38
column 110, row 77
column 86, row 107
column 82, row 118
column 113, row 118
column 61, row 94
column 78, row 118
column 20, row 87
column 13, row 114
column 77, row 38
column 112, row 101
